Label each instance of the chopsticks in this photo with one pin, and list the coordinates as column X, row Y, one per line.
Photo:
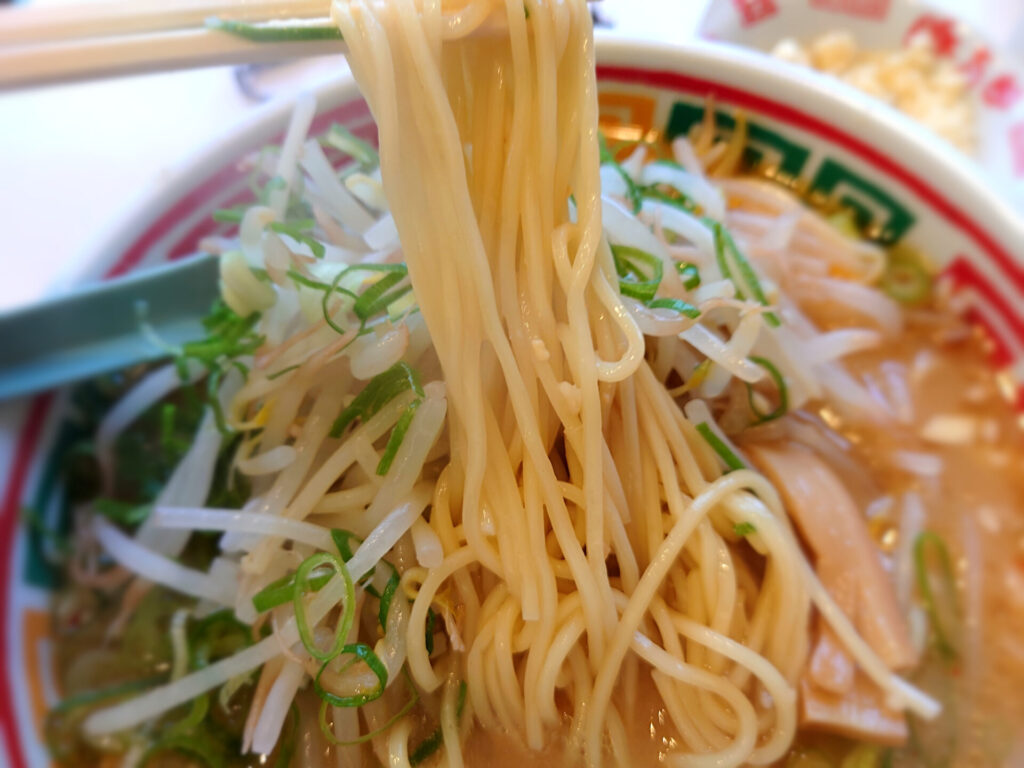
column 107, row 38
column 31, row 26
column 39, row 46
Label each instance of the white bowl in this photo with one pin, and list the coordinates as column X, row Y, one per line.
column 901, row 177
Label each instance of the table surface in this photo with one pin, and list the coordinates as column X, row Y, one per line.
column 72, row 158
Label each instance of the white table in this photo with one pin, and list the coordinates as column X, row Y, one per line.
column 72, row 157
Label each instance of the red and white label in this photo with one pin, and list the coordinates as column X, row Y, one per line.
column 942, row 31
column 866, row 9
column 1002, row 92
column 753, row 11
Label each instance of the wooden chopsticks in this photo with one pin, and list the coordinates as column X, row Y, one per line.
column 39, row 46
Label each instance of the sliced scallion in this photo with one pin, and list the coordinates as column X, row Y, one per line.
column 744, row 529
column 386, row 596
column 397, row 436
column 780, row 384
column 342, row 139
column 689, row 274
column 296, row 230
column 302, row 586
column 280, row 591
column 229, row 215
column 360, row 652
column 936, row 584
column 122, row 512
column 325, row 729
column 433, row 742
column 382, row 389
column 735, row 267
column 730, row 459
column 905, row 279
column 378, row 296
column 215, row 637
column 275, row 32
column 343, row 542
column 640, row 272
column 676, row 305
column 633, row 191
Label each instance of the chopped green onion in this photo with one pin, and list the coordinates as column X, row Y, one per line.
column 862, row 756
column 331, row 289
column 678, row 200
column 905, row 279
column 280, row 591
column 744, row 528
column 196, row 714
column 373, row 300
column 433, row 742
column 414, row 698
column 196, row 744
column 122, row 512
column 689, row 274
column 342, row 139
column 386, row 597
column 295, row 230
column 632, row 189
column 33, row 519
column 302, row 583
column 215, row 637
column 845, row 222
column 300, row 279
column 731, row 460
column 364, row 653
column 286, row 744
column 343, row 541
column 376, row 298
column 633, row 280
column 167, row 440
column 780, row 385
column 397, row 436
column 677, row 305
column 427, row 747
column 282, row 372
column 273, row 184
column 937, row 586
column 808, row 758
column 275, row 32
column 229, row 215
column 382, row 389
column 213, row 400
column 428, row 633
column 228, row 336
column 674, row 196
column 725, row 246
column 88, row 698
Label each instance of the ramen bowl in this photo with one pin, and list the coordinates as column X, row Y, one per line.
column 900, row 182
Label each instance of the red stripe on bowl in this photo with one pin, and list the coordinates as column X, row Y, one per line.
column 10, row 509
column 784, row 112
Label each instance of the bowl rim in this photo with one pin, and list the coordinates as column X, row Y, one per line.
column 980, row 196
column 857, row 115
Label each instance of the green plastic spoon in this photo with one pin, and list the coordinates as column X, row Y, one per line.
column 99, row 329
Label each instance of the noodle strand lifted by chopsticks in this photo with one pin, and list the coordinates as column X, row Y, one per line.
column 582, row 531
